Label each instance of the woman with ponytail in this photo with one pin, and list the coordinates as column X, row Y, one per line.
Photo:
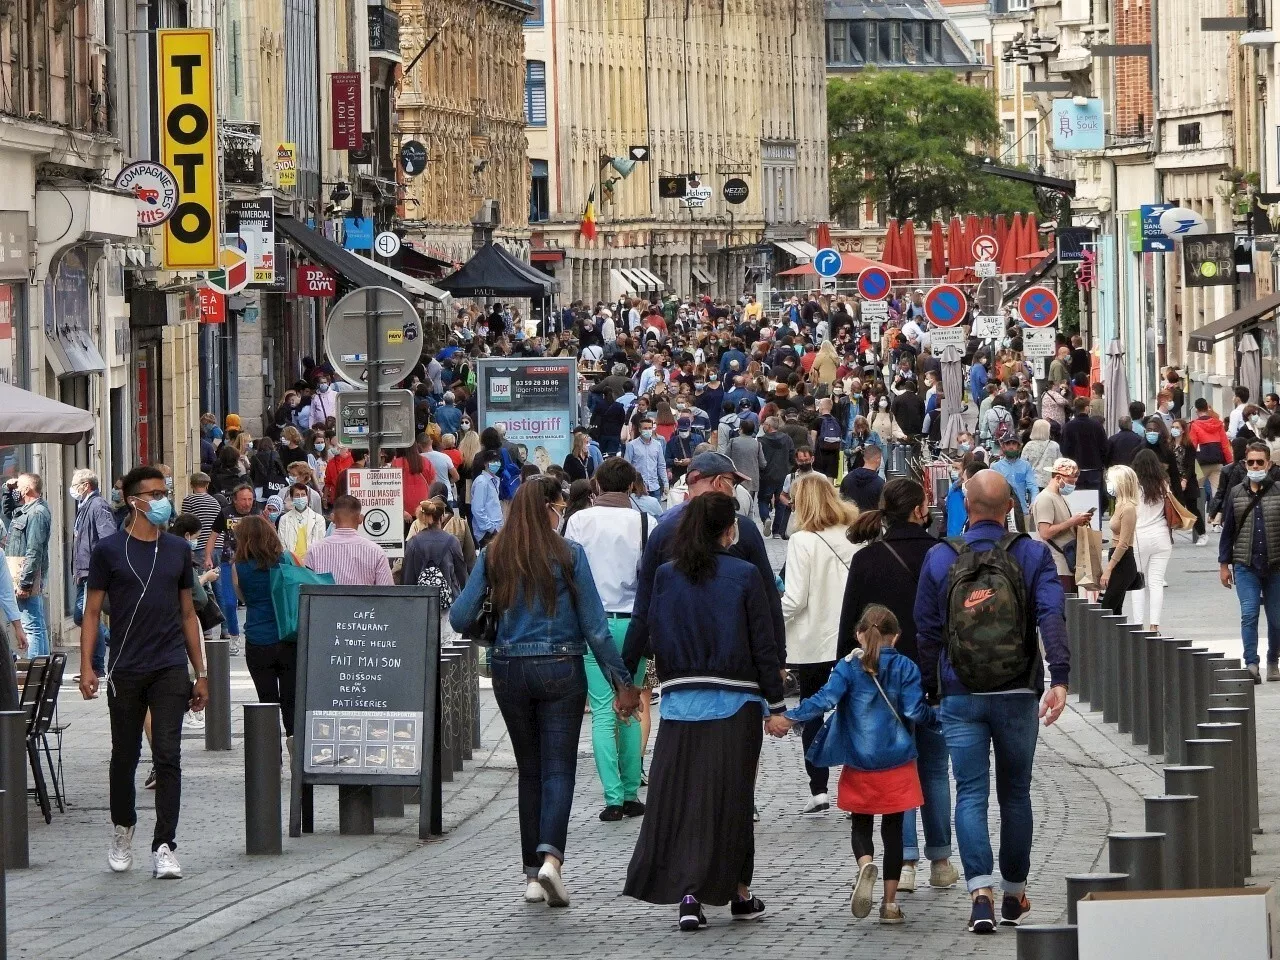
column 879, row 706
column 711, row 636
column 886, row 572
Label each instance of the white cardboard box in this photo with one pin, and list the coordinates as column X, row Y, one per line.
column 1177, row 925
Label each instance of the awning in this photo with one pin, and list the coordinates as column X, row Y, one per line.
column 355, row 270
column 72, row 352
column 638, row 280
column 31, row 418
column 620, row 284
column 800, row 250
column 412, row 285
column 1203, row 339
column 410, row 258
column 651, row 280
column 702, row 277
column 546, row 255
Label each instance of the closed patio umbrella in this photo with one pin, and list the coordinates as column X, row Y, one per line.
column 890, row 254
column 1115, row 385
column 907, row 239
column 1250, row 365
column 953, row 398
column 937, row 250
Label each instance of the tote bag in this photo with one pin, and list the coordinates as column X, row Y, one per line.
column 287, row 580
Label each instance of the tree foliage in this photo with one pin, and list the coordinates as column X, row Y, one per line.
column 908, row 139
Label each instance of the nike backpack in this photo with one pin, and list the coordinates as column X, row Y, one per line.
column 988, row 617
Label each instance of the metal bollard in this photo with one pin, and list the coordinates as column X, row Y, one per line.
column 1244, row 689
column 465, row 702
column 388, row 802
column 1141, row 684
column 1079, row 884
column 474, row 692
column 1174, row 752
column 1122, row 635
column 13, row 779
column 1155, row 694
column 1187, row 711
column 217, row 712
column 444, row 733
column 262, row 816
column 1089, row 614
column 1108, row 628
column 457, row 687
column 1176, row 815
column 1241, row 786
column 1141, row 856
column 1044, row 942
column 1075, row 641
column 1216, row 752
column 1231, row 811
column 1197, row 780
column 355, row 811
column 1202, row 666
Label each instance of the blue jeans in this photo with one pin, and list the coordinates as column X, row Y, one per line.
column 974, row 726
column 34, row 625
column 935, row 783
column 1256, row 592
column 227, row 600
column 542, row 700
column 100, row 647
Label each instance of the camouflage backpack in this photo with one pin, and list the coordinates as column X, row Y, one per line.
column 988, row 617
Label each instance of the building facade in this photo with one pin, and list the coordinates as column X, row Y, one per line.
column 709, row 91
column 464, row 100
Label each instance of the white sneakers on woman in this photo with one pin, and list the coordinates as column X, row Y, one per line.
column 533, row 893
column 553, row 885
column 818, row 803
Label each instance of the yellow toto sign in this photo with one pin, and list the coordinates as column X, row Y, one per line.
column 188, row 146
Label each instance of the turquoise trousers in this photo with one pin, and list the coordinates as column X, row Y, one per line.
column 616, row 744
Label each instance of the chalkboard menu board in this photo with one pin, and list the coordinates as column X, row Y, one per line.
column 368, row 659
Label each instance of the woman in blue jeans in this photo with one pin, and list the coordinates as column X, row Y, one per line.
column 539, row 586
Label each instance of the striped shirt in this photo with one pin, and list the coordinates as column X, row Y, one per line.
column 205, row 508
column 351, row 559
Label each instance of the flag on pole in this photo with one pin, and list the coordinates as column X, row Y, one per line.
column 587, row 227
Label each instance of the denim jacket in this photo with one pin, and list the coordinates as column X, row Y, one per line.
column 863, row 733
column 527, row 630
column 29, row 529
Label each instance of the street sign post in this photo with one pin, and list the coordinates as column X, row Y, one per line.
column 827, row 262
column 874, row 284
column 939, row 340
column 398, row 426
column 1038, row 306
column 1039, row 344
column 985, row 269
column 945, row 305
column 985, row 247
column 875, row 310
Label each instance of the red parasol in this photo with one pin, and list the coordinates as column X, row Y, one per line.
column 851, row 264
column 972, row 229
column 937, row 253
column 910, row 256
column 891, row 244
column 1032, row 238
column 988, row 227
column 824, row 236
column 1013, row 247
column 1002, row 237
column 955, row 237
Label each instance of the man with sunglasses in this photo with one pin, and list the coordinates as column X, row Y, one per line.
column 146, row 574
column 1249, row 556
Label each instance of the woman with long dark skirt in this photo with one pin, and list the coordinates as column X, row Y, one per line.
column 712, row 639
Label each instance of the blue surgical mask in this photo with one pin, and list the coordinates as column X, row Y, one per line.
column 494, row 466
column 116, row 496
column 1153, row 437
column 647, row 434
column 1257, row 476
column 159, row 512
column 1175, row 432
column 1067, row 489
column 320, row 445
column 963, row 447
column 323, row 388
column 299, row 503
column 194, row 545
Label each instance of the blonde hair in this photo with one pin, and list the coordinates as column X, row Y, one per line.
column 1040, row 430
column 818, row 505
column 469, row 446
column 431, row 512
column 877, row 628
column 290, row 434
column 1125, row 483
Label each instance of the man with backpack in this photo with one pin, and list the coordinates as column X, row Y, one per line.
column 828, row 440
column 979, row 603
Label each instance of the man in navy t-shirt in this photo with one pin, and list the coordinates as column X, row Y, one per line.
column 145, row 574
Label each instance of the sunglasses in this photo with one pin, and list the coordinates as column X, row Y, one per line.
column 1255, row 463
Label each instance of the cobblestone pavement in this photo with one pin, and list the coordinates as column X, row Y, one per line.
column 390, row 897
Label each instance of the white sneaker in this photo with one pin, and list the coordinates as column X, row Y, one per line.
column 533, row 893
column 553, row 885
column 120, row 858
column 907, row 878
column 164, row 864
column 193, row 720
column 817, row 804
column 233, row 648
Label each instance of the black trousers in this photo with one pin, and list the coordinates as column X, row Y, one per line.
column 166, row 693
column 861, row 825
column 274, row 668
column 812, row 677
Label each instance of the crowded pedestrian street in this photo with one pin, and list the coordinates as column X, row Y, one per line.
column 332, row 896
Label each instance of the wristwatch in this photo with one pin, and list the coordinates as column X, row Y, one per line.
column 202, row 674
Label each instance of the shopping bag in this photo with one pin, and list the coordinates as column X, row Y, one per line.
column 287, row 580
column 1088, row 558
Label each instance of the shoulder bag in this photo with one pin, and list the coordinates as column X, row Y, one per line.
column 1175, row 514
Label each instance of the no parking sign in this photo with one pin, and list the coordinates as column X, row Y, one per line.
column 873, row 283
column 1038, row 306
column 945, row 305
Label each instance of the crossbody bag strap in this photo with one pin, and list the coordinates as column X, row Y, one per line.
column 834, row 551
column 857, row 654
column 897, row 556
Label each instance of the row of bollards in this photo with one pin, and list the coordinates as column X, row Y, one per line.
column 1194, row 707
column 457, row 738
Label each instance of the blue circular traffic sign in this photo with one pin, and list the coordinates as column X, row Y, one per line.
column 873, row 283
column 827, row 262
column 945, row 305
column 1038, row 306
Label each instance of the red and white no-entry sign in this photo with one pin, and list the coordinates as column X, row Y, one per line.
column 985, row 247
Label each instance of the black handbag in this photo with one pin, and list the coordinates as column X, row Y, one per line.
column 484, row 628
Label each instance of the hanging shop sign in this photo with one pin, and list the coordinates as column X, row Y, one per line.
column 1209, row 260
column 188, row 146
column 154, row 187
column 344, row 119
column 286, row 165
column 255, row 223
column 315, row 281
